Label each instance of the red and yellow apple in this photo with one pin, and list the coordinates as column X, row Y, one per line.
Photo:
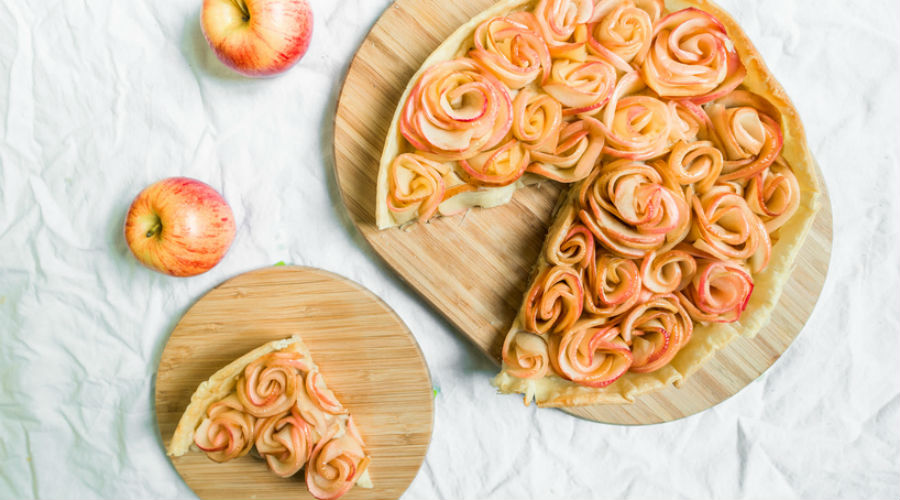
column 257, row 37
column 179, row 226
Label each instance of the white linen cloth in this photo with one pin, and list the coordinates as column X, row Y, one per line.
column 99, row 99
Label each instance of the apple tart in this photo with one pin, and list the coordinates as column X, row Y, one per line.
column 274, row 401
column 691, row 184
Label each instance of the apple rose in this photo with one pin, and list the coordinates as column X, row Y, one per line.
column 612, row 285
column 690, row 122
column 537, row 119
column 719, row 292
column 697, row 163
column 525, row 355
column 724, row 226
column 582, row 87
column 455, row 111
column 774, row 194
column 691, row 56
column 511, row 51
column 591, row 353
column 226, row 432
column 497, row 167
column 637, row 126
column 621, row 35
column 554, row 302
column 335, row 464
column 579, row 146
column 569, row 242
column 285, row 442
column 630, row 211
column 748, row 133
column 656, row 330
column 558, row 19
column 667, row 272
column 416, row 185
column 268, row 385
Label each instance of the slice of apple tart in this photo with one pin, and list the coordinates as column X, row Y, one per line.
column 275, row 399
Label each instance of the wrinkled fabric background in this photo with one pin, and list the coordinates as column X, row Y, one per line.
column 100, row 98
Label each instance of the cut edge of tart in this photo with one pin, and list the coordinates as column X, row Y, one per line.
column 221, row 387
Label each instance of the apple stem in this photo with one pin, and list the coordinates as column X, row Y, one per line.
column 241, row 5
column 156, row 229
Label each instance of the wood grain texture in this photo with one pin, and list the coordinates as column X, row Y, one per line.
column 474, row 268
column 368, row 357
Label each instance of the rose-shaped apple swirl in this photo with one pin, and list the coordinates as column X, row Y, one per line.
column 630, row 211
column 227, row 431
column 285, row 442
column 691, row 56
column 637, row 126
column 537, row 119
column 621, row 35
column 525, row 355
column 748, row 133
column 591, row 353
column 724, row 226
column 719, row 292
column 656, row 330
column 698, row 163
column 335, row 464
column 579, row 146
column 582, row 87
column 416, row 185
column 455, row 111
column 667, row 272
column 774, row 194
column 498, row 167
column 511, row 51
column 558, row 20
column 612, row 286
column 268, row 385
column 569, row 242
column 554, row 302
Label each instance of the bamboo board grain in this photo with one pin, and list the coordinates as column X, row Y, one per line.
column 368, row 357
column 473, row 269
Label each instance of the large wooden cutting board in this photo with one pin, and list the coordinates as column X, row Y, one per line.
column 368, row 357
column 473, row 269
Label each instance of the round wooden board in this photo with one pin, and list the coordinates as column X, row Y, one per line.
column 368, row 357
column 474, row 268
